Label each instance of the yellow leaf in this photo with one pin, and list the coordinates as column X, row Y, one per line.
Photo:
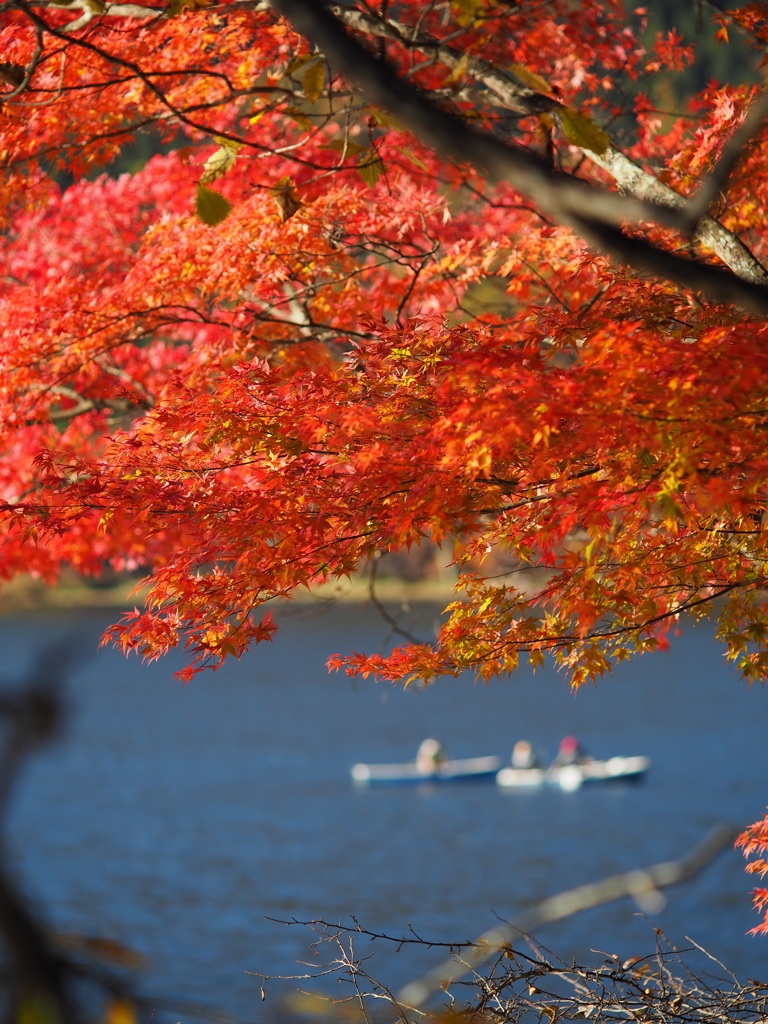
column 583, row 132
column 313, row 81
column 210, row 206
column 527, row 77
column 535, row 660
column 299, row 62
column 467, row 11
column 458, row 71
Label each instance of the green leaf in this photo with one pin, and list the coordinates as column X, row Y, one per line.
column 211, row 207
column 313, row 81
column 583, row 132
column 371, row 170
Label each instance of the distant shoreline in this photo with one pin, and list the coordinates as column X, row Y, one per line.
column 26, row 593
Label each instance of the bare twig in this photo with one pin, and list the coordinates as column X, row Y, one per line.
column 520, row 987
column 394, row 626
column 643, row 884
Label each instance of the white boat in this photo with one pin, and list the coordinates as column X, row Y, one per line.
column 571, row 777
column 471, row 769
column 522, row 778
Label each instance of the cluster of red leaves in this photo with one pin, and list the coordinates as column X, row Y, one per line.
column 755, row 840
column 253, row 399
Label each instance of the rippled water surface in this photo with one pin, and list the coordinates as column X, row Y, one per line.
column 180, row 820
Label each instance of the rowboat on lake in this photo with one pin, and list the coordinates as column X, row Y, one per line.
column 472, row 769
column 571, row 777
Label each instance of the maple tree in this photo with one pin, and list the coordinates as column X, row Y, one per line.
column 254, row 364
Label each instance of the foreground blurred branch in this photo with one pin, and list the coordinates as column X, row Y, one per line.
column 48, row 977
column 38, row 986
column 41, row 978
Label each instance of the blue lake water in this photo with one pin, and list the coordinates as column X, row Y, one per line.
column 180, row 820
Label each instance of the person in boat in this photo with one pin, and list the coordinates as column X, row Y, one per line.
column 430, row 756
column 570, row 752
column 524, row 756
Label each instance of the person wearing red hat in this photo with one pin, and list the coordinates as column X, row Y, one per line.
column 570, row 752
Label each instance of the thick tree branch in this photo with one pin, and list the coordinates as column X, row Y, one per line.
column 629, row 176
column 593, row 212
column 559, row 194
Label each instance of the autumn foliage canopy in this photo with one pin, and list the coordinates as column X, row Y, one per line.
column 268, row 355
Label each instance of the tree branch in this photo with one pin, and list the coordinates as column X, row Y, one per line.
column 29, row 70
column 629, row 176
column 561, row 194
column 592, row 212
